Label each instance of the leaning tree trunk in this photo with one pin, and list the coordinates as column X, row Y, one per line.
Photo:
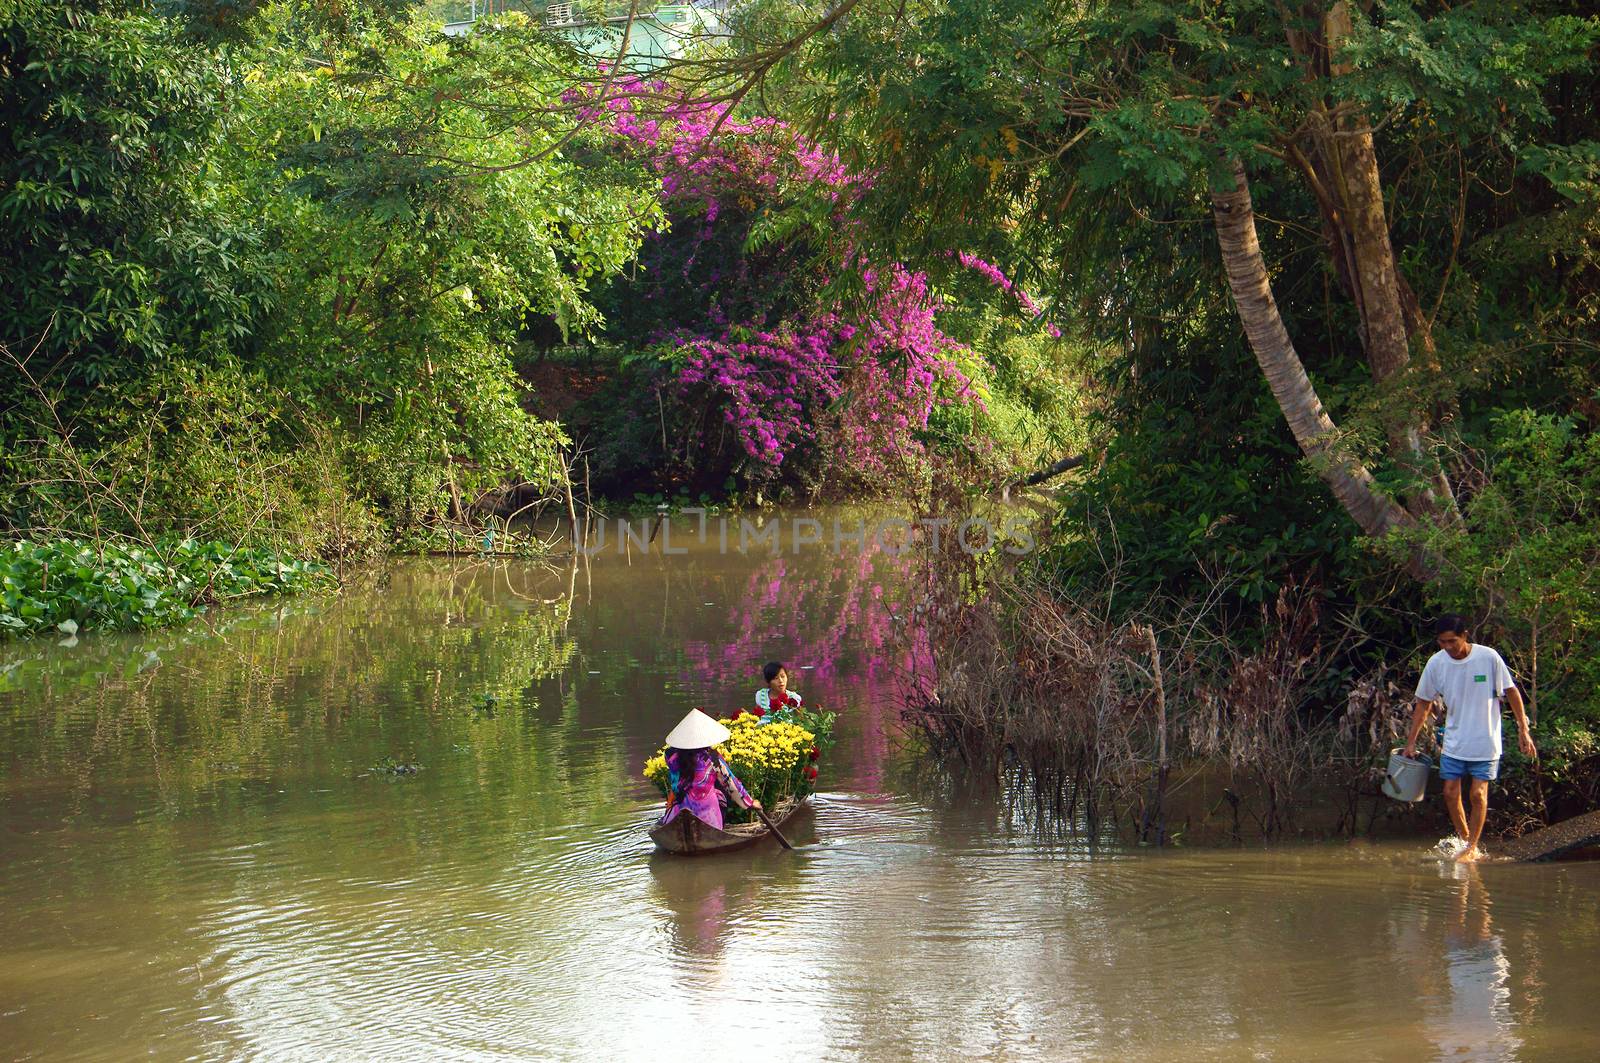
column 1382, row 306
column 1313, row 429
column 1343, row 145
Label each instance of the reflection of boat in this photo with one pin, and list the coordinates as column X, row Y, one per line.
column 691, row 836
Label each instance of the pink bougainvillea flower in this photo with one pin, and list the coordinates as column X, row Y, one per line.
column 776, row 377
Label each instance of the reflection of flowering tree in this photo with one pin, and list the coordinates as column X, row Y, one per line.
column 836, row 619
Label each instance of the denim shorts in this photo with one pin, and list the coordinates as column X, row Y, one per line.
column 1451, row 768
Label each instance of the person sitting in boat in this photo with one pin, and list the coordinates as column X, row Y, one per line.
column 698, row 780
column 776, row 694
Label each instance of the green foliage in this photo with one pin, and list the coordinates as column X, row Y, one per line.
column 115, row 245
column 263, row 266
column 1036, row 400
column 1076, row 146
column 417, row 230
column 214, row 452
column 69, row 585
column 1201, row 484
column 652, row 502
column 1569, row 751
column 1526, row 558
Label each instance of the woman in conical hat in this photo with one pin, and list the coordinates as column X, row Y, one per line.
column 698, row 780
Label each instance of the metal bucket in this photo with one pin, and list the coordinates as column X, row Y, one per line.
column 1406, row 778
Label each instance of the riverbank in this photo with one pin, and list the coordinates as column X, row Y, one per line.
column 1158, row 717
column 67, row 584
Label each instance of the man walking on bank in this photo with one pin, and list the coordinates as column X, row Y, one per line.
column 1471, row 681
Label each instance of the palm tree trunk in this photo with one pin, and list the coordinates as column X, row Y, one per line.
column 1313, row 429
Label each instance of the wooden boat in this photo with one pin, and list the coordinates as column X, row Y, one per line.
column 689, row 835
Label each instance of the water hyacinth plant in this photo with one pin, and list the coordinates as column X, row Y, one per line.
column 71, row 585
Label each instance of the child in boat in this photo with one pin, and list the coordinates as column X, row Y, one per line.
column 776, row 694
column 698, row 780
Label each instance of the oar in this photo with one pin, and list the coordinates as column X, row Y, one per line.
column 773, row 827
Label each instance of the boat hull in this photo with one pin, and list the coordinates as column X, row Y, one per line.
column 687, row 835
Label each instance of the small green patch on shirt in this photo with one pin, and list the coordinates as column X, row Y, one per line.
column 1480, row 679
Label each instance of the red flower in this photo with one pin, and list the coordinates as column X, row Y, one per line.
column 811, row 773
column 757, row 712
column 813, row 754
column 736, row 714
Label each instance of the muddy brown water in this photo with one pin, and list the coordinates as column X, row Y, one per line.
column 197, row 860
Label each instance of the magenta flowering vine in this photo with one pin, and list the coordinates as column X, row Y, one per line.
column 766, row 368
column 997, row 276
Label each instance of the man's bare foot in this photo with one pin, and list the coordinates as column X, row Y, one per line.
column 1469, row 855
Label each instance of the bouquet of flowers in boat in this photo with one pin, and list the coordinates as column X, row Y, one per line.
column 775, row 754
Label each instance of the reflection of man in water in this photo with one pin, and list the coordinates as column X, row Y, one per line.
column 1478, row 1025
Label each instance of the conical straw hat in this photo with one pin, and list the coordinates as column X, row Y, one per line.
column 697, row 731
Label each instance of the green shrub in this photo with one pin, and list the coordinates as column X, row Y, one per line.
column 1525, row 560
column 192, row 451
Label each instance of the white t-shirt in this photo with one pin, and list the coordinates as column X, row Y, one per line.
column 1471, row 689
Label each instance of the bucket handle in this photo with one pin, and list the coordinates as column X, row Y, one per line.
column 1421, row 758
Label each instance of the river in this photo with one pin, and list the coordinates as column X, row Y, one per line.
column 212, row 847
